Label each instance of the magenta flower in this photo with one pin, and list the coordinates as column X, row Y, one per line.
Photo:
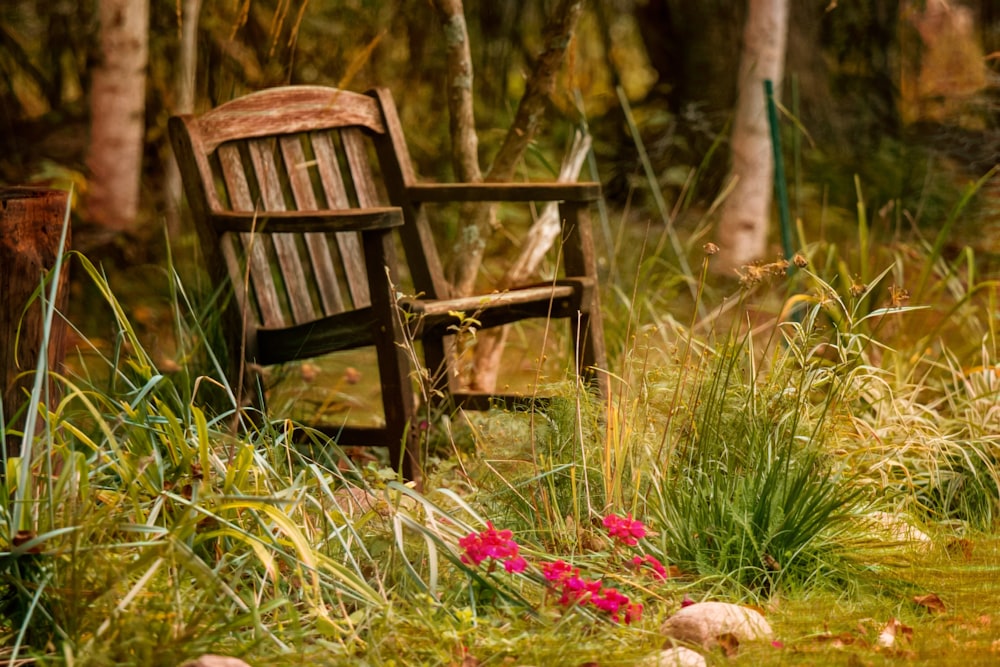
column 515, row 564
column 558, row 571
column 615, row 604
column 659, row 571
column 494, row 544
column 576, row 590
column 625, row 530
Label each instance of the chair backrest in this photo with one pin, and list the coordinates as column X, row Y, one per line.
column 299, row 148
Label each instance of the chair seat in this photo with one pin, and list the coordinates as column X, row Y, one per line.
column 348, row 331
column 559, row 299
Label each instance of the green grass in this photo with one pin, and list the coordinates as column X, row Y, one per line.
column 152, row 521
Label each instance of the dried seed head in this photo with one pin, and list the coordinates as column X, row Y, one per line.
column 898, row 296
column 800, row 260
column 710, row 248
column 858, row 289
column 778, row 268
column 750, row 275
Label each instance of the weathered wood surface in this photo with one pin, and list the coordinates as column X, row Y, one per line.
column 31, row 221
column 296, row 193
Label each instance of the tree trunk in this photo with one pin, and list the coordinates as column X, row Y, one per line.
column 117, row 105
column 743, row 227
column 184, row 89
column 480, row 218
column 31, row 221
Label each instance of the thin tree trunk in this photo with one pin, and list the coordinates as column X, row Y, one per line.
column 480, row 220
column 743, row 227
column 540, row 86
column 117, row 104
column 464, row 140
column 184, row 90
column 464, row 147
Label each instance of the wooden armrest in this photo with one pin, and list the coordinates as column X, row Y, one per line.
column 523, row 192
column 275, row 222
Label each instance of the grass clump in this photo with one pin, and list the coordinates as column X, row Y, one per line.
column 144, row 527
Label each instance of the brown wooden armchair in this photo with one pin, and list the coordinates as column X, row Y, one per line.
column 296, row 192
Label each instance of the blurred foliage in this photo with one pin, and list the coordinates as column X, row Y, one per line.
column 676, row 61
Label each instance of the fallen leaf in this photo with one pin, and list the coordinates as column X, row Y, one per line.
column 729, row 644
column 887, row 636
column 961, row 545
column 931, row 602
column 892, row 631
column 841, row 640
column 22, row 537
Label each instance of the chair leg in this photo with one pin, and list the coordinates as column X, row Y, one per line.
column 394, row 369
column 588, row 343
column 588, row 330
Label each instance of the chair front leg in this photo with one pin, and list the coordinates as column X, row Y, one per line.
column 391, row 344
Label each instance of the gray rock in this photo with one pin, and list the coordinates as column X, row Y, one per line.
column 896, row 528
column 209, row 660
column 704, row 622
column 678, row 656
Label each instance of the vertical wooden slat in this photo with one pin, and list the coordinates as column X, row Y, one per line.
column 336, row 197
column 260, row 272
column 284, row 244
column 305, row 200
column 361, row 170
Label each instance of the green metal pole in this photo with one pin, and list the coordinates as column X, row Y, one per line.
column 780, row 187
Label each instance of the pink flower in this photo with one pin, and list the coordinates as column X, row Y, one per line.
column 515, row 564
column 633, row 612
column 494, row 544
column 626, row 530
column 558, row 571
column 576, row 590
column 614, row 603
column 566, row 580
column 659, row 571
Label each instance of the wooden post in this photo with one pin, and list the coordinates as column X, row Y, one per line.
column 31, row 221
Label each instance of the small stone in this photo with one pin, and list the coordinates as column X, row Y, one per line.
column 703, row 623
column 678, row 656
column 209, row 660
column 895, row 528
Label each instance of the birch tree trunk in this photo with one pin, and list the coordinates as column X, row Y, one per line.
column 743, row 226
column 117, row 105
